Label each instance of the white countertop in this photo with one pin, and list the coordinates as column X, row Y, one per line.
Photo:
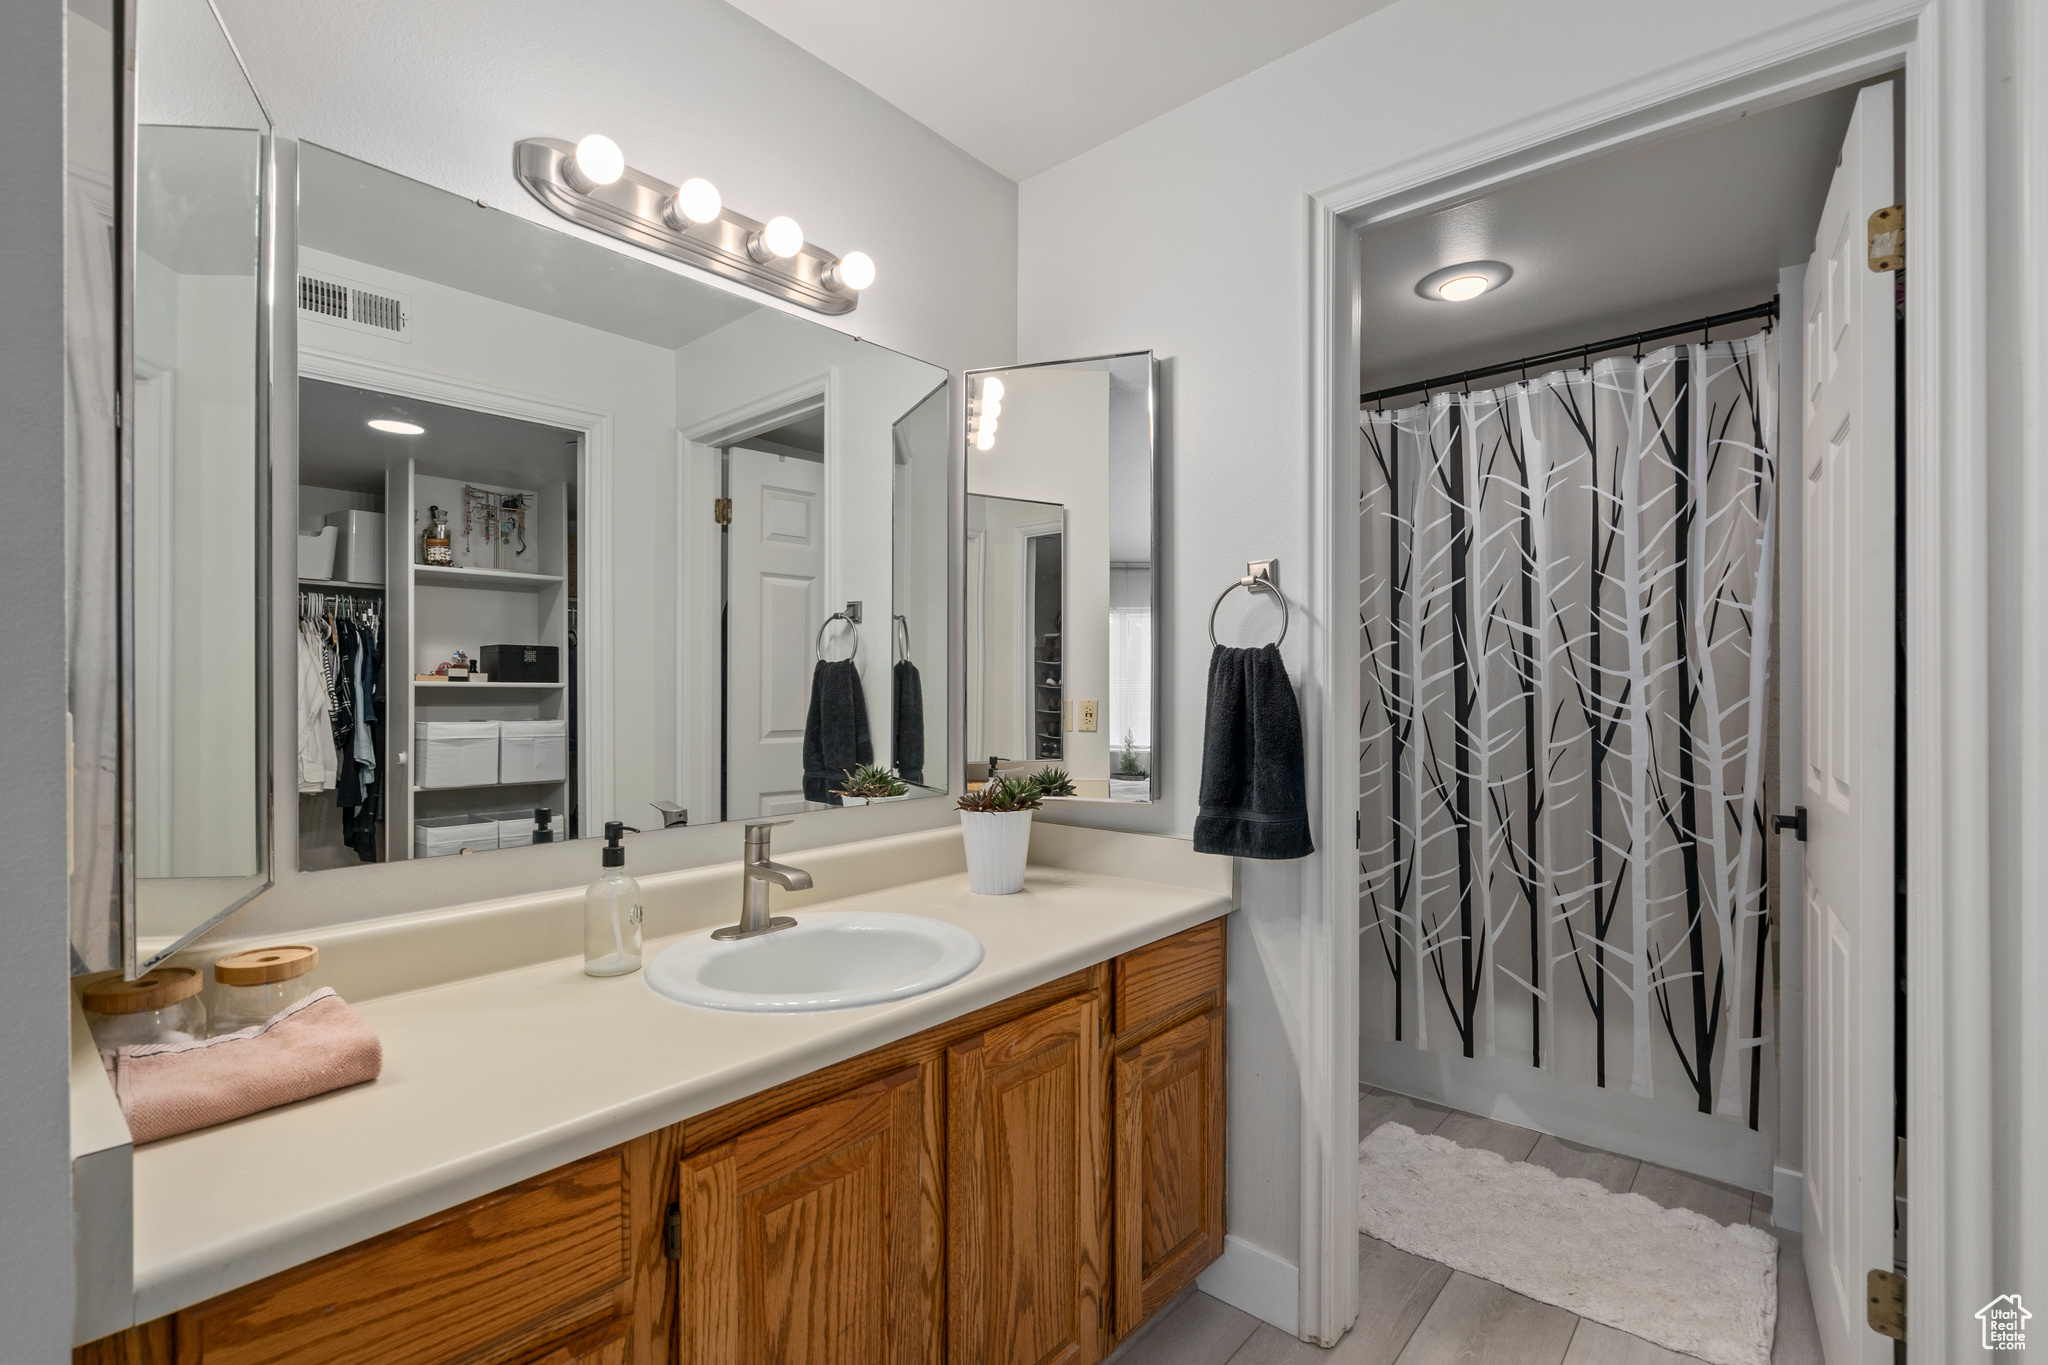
column 493, row 1079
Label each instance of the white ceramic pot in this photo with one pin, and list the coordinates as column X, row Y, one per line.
column 997, row 845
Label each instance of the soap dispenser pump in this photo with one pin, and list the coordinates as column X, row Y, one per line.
column 611, row 912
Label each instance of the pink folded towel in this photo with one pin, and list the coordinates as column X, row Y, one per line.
column 312, row 1046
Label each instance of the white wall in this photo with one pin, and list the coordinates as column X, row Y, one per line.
column 35, row 1158
column 1227, row 309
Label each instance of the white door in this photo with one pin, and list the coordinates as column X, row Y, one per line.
column 1848, row 533
column 775, row 593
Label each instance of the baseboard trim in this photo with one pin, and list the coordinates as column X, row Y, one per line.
column 1788, row 1199
column 1254, row 1280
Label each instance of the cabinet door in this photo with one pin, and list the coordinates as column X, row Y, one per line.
column 804, row 1241
column 1169, row 1164
column 1027, row 1190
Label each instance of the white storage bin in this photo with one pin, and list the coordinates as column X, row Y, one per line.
column 533, row 751
column 515, row 827
column 359, row 554
column 455, row 753
column 316, row 554
column 440, row 835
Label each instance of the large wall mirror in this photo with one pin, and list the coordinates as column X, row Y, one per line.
column 582, row 539
column 1062, row 664
column 182, row 507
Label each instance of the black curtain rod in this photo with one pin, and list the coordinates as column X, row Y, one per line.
column 1761, row 310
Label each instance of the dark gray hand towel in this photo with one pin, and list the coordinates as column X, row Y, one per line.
column 1254, row 783
column 909, row 722
column 836, row 739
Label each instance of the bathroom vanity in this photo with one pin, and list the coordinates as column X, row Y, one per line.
column 1023, row 1165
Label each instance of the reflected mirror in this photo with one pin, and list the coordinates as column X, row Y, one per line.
column 198, row 474
column 583, row 539
column 1061, row 666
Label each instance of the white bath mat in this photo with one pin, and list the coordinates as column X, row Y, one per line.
column 1670, row 1276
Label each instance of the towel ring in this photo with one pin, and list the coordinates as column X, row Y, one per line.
column 1249, row 584
column 819, row 648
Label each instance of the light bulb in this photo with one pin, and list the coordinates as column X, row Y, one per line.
column 598, row 161
column 1464, row 287
column 397, row 428
column 782, row 236
column 697, row 200
column 992, row 390
column 989, row 425
column 855, row 270
column 987, row 439
column 992, row 408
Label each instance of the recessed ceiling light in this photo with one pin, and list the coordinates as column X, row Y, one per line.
column 1457, row 283
column 396, row 427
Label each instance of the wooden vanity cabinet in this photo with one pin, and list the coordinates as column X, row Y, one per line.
column 1027, row 1190
column 1168, row 1115
column 1021, row 1186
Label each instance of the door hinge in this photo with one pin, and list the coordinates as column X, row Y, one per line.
column 672, row 1232
column 721, row 511
column 1888, row 238
column 1888, row 1304
column 1796, row 822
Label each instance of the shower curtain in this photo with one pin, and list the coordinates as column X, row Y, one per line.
column 1565, row 600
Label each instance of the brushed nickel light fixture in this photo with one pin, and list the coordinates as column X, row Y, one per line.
column 589, row 182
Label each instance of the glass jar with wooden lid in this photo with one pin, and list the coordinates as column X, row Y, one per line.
column 160, row 1006
column 253, row 985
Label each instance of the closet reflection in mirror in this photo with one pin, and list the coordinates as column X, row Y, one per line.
column 583, row 539
column 1061, row 669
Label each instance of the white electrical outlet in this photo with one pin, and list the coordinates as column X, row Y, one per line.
column 1085, row 719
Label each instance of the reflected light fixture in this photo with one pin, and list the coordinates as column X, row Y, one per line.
column 696, row 201
column 598, row 161
column 1459, row 283
column 983, row 412
column 396, row 427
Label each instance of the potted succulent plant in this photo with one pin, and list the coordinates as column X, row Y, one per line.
column 866, row 785
column 996, row 823
column 1053, row 782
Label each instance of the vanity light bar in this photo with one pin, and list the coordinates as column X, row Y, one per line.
column 637, row 208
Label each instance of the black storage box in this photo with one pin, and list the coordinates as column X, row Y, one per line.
column 521, row 663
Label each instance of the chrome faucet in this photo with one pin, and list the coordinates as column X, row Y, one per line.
column 756, row 873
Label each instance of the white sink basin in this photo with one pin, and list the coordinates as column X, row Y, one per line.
column 830, row 960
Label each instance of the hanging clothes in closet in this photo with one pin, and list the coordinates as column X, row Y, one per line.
column 341, row 714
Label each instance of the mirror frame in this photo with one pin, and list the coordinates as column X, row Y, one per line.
column 116, row 863
column 969, row 377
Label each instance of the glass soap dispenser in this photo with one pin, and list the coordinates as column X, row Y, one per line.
column 611, row 913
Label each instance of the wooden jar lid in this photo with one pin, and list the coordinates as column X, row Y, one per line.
column 261, row 966
column 153, row 990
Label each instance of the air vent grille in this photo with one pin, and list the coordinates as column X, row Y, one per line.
column 323, row 297
column 377, row 310
column 351, row 305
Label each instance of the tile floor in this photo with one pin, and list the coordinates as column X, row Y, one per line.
column 1417, row 1312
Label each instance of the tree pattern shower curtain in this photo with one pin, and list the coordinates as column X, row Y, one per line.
column 1566, row 588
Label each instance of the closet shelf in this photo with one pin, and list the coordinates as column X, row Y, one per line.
column 480, row 786
column 452, row 576
column 340, row 585
column 487, row 686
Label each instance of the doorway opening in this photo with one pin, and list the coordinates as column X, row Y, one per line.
column 1630, row 592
